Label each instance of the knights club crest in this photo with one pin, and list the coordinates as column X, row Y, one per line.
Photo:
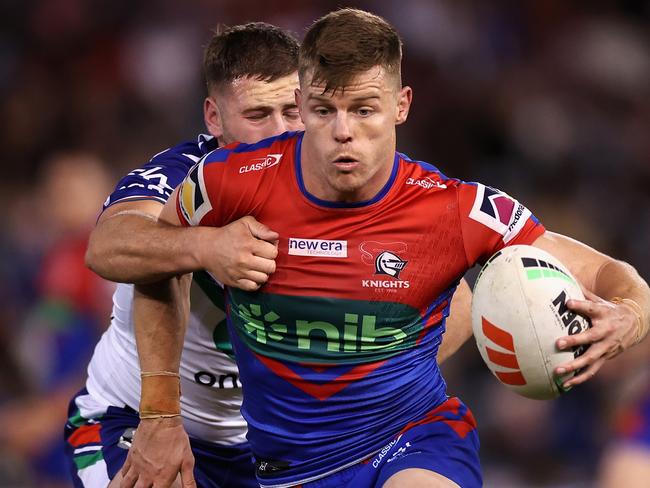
column 385, row 257
column 390, row 264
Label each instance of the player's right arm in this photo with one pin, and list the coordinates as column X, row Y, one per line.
column 160, row 449
column 128, row 244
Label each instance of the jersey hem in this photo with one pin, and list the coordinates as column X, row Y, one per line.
column 135, row 199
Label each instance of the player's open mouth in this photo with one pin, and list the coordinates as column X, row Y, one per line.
column 346, row 163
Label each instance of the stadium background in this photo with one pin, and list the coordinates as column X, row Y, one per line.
column 548, row 100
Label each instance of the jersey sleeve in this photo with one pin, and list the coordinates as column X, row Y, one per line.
column 157, row 179
column 201, row 191
column 492, row 220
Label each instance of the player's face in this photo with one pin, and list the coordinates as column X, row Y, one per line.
column 248, row 110
column 349, row 144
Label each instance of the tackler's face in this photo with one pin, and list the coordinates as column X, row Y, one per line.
column 349, row 143
column 248, row 110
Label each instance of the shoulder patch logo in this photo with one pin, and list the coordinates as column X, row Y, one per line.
column 193, row 204
column 499, row 211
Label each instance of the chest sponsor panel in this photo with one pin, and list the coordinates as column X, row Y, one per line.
column 317, row 330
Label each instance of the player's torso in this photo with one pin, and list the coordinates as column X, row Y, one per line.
column 343, row 273
column 349, row 323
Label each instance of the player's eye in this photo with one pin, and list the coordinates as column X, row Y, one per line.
column 256, row 116
column 365, row 111
column 292, row 115
column 322, row 111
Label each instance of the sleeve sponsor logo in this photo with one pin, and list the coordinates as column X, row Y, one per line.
column 499, row 211
column 259, row 164
column 318, row 247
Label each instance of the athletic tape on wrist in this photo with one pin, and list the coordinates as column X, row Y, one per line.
column 148, row 374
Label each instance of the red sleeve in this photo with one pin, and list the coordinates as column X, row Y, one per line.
column 492, row 220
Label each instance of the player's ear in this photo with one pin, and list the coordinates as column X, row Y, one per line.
column 212, row 117
column 404, row 99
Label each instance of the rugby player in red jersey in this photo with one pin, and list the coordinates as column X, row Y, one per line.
column 251, row 72
column 337, row 349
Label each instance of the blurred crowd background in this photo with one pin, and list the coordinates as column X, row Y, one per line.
column 548, row 100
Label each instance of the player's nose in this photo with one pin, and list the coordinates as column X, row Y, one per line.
column 341, row 128
column 277, row 124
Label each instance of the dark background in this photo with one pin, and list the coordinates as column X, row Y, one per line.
column 548, row 100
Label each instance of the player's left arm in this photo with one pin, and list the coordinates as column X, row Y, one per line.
column 161, row 448
column 617, row 302
column 459, row 323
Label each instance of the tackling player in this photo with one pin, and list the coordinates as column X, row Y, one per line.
column 251, row 72
column 336, row 350
column 251, row 77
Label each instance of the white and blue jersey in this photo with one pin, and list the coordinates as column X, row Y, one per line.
column 157, row 179
column 211, row 391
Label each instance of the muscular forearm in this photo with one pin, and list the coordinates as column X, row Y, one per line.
column 459, row 324
column 602, row 275
column 160, row 317
column 161, row 448
column 132, row 247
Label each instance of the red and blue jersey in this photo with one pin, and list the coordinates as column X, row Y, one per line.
column 337, row 351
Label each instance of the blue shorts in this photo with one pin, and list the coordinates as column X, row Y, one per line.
column 443, row 441
column 97, row 448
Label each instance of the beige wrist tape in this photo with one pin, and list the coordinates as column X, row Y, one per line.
column 146, row 415
column 160, row 394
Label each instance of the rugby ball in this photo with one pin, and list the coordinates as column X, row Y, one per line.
column 518, row 313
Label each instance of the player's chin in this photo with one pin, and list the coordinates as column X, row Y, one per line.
column 347, row 183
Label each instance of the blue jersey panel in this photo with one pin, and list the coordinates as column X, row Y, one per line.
column 165, row 171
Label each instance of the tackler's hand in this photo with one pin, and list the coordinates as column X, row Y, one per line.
column 160, row 451
column 241, row 254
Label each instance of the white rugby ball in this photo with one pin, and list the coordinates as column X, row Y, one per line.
column 518, row 313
